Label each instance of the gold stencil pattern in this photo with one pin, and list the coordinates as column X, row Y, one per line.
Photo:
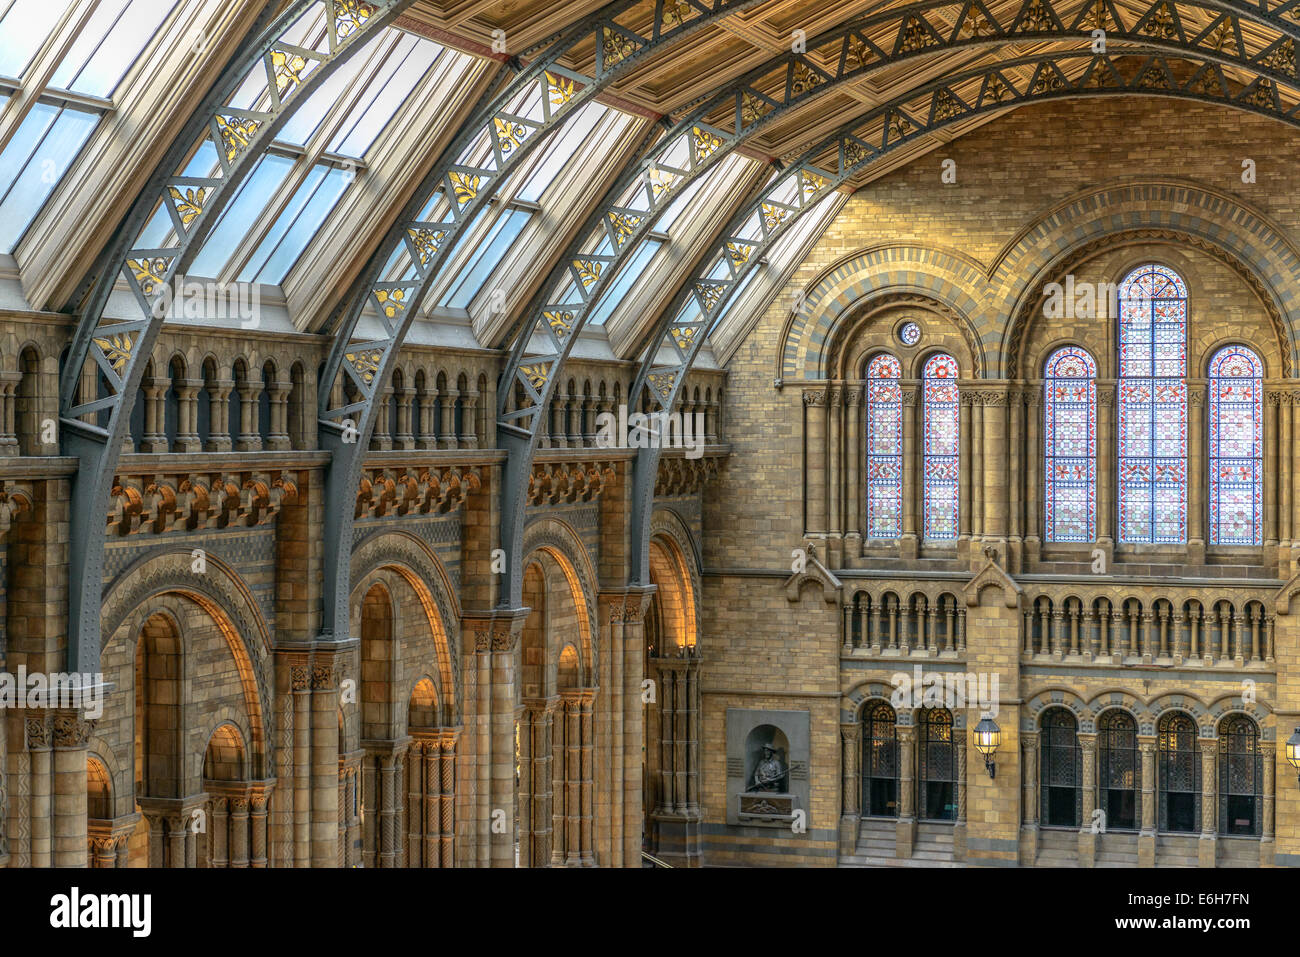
column 189, row 203
column 349, row 16
column 236, row 134
column 391, row 301
column 287, row 68
column 465, row 186
column 559, row 88
column 148, row 272
column 117, row 349
column 366, row 362
column 536, row 374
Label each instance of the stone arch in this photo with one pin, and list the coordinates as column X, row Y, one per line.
column 1160, row 210
column 562, row 543
column 226, row 756
column 1120, row 698
column 1036, row 706
column 157, row 582
column 1184, row 701
column 856, row 698
column 1258, row 711
column 425, row 573
column 674, row 610
column 941, row 279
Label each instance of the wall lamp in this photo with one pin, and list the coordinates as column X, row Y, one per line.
column 988, row 735
column 1293, row 751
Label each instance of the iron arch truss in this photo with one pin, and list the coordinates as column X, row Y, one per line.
column 463, row 180
column 852, row 151
column 93, row 428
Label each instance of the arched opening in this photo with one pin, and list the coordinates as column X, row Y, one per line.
column 938, row 766
column 879, row 760
column 1241, row 776
column 1180, row 773
column 1061, row 771
column 1119, row 777
column 157, row 727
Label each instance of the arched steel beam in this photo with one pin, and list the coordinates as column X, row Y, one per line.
column 461, row 183
column 120, row 349
column 625, row 215
column 859, row 145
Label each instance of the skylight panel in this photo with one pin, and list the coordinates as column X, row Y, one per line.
column 561, row 151
column 624, row 281
column 34, row 162
column 109, row 44
column 246, row 208
column 486, row 258
column 24, row 26
column 295, row 227
column 384, row 95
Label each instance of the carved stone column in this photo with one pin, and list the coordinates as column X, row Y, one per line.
column 995, row 465
column 69, row 806
column 910, row 540
column 1015, row 481
column 154, row 437
column 1266, row 844
column 1106, row 470
column 248, row 439
column 1029, row 797
column 1196, row 475
column 1087, row 829
column 1205, row 847
column 1147, row 836
column 187, row 415
column 814, row 402
column 219, row 439
column 964, row 511
column 855, row 455
column 851, row 785
column 906, row 828
column 835, row 477
column 536, row 801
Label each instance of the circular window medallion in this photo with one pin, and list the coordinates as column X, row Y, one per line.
column 910, row 333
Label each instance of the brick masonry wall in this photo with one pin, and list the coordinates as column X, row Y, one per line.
column 1009, row 173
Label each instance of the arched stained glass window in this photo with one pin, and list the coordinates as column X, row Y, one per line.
column 1152, row 403
column 1119, row 770
column 1241, row 773
column 884, row 448
column 1236, row 447
column 1061, row 774
column 1180, row 773
column 940, row 446
column 1070, row 445
column 938, row 766
column 879, row 761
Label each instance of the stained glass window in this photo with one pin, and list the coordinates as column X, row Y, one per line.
column 1152, row 403
column 940, row 446
column 1241, row 772
column 1236, row 447
column 909, row 333
column 1180, row 773
column 1070, row 445
column 884, row 448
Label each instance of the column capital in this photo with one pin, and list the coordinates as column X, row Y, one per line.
column 496, row 630
column 626, row 605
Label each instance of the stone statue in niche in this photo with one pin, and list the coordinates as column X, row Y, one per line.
column 771, row 772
